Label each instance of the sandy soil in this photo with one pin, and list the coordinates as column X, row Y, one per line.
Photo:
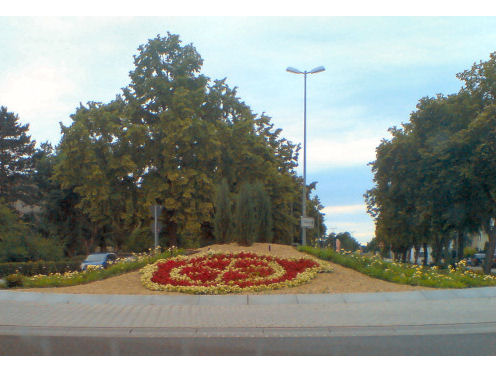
column 341, row 280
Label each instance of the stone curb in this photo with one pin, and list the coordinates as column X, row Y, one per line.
column 249, row 300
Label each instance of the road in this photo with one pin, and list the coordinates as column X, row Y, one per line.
column 441, row 322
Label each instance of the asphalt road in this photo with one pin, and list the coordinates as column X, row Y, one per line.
column 425, row 345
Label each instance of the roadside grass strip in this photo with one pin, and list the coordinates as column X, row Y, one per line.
column 405, row 273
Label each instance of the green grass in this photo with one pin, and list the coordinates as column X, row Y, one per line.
column 404, row 273
column 87, row 276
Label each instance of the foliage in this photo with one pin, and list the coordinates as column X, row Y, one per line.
column 140, row 240
column 223, row 221
column 168, row 139
column 468, row 252
column 245, row 219
column 263, row 213
column 16, row 149
column 19, row 243
column 75, row 278
column 348, row 242
column 405, row 273
column 435, row 178
column 40, row 267
column 14, row 280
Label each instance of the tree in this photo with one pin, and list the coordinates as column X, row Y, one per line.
column 59, row 217
column 348, row 242
column 96, row 161
column 223, row 220
column 434, row 177
column 246, row 224
column 16, row 149
column 170, row 139
column 263, row 213
column 165, row 100
column 18, row 241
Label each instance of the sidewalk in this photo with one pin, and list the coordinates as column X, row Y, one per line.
column 419, row 312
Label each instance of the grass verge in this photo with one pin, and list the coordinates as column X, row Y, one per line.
column 87, row 276
column 404, row 273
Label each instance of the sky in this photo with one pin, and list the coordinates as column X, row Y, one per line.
column 377, row 68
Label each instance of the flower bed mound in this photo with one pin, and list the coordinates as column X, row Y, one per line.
column 216, row 273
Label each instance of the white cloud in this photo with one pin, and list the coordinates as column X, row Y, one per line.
column 362, row 231
column 333, row 152
column 344, row 209
column 39, row 93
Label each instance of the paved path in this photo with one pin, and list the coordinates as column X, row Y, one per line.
column 109, row 317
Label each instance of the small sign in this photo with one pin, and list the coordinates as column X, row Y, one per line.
column 307, row 222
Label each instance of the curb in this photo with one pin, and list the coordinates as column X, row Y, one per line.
column 249, row 300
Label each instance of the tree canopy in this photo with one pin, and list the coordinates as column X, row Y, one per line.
column 434, row 178
column 171, row 138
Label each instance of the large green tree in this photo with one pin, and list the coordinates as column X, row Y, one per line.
column 433, row 179
column 181, row 148
column 169, row 139
column 16, row 149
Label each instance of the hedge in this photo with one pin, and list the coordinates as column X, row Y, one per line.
column 40, row 267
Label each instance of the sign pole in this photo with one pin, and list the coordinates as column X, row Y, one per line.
column 156, row 227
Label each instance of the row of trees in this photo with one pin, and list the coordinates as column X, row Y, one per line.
column 171, row 138
column 435, row 179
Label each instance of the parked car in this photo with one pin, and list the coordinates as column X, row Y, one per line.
column 477, row 259
column 103, row 260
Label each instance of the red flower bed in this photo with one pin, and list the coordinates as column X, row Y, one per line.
column 219, row 272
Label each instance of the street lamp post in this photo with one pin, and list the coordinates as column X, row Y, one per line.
column 304, row 196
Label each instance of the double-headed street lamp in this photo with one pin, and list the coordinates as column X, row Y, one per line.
column 304, row 197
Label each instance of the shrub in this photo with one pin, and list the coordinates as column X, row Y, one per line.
column 468, row 251
column 14, row 280
column 139, row 240
column 39, row 267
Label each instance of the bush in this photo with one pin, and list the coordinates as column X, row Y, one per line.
column 14, row 280
column 468, row 252
column 140, row 240
column 39, row 267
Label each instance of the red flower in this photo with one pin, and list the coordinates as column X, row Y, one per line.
column 242, row 269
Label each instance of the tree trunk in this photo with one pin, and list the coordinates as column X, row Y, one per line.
column 416, row 253
column 490, row 250
column 437, row 248
column 172, row 233
column 426, row 255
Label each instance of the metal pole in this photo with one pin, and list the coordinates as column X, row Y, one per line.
column 156, row 227
column 304, row 197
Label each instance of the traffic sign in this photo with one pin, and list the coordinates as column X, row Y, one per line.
column 307, row 222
